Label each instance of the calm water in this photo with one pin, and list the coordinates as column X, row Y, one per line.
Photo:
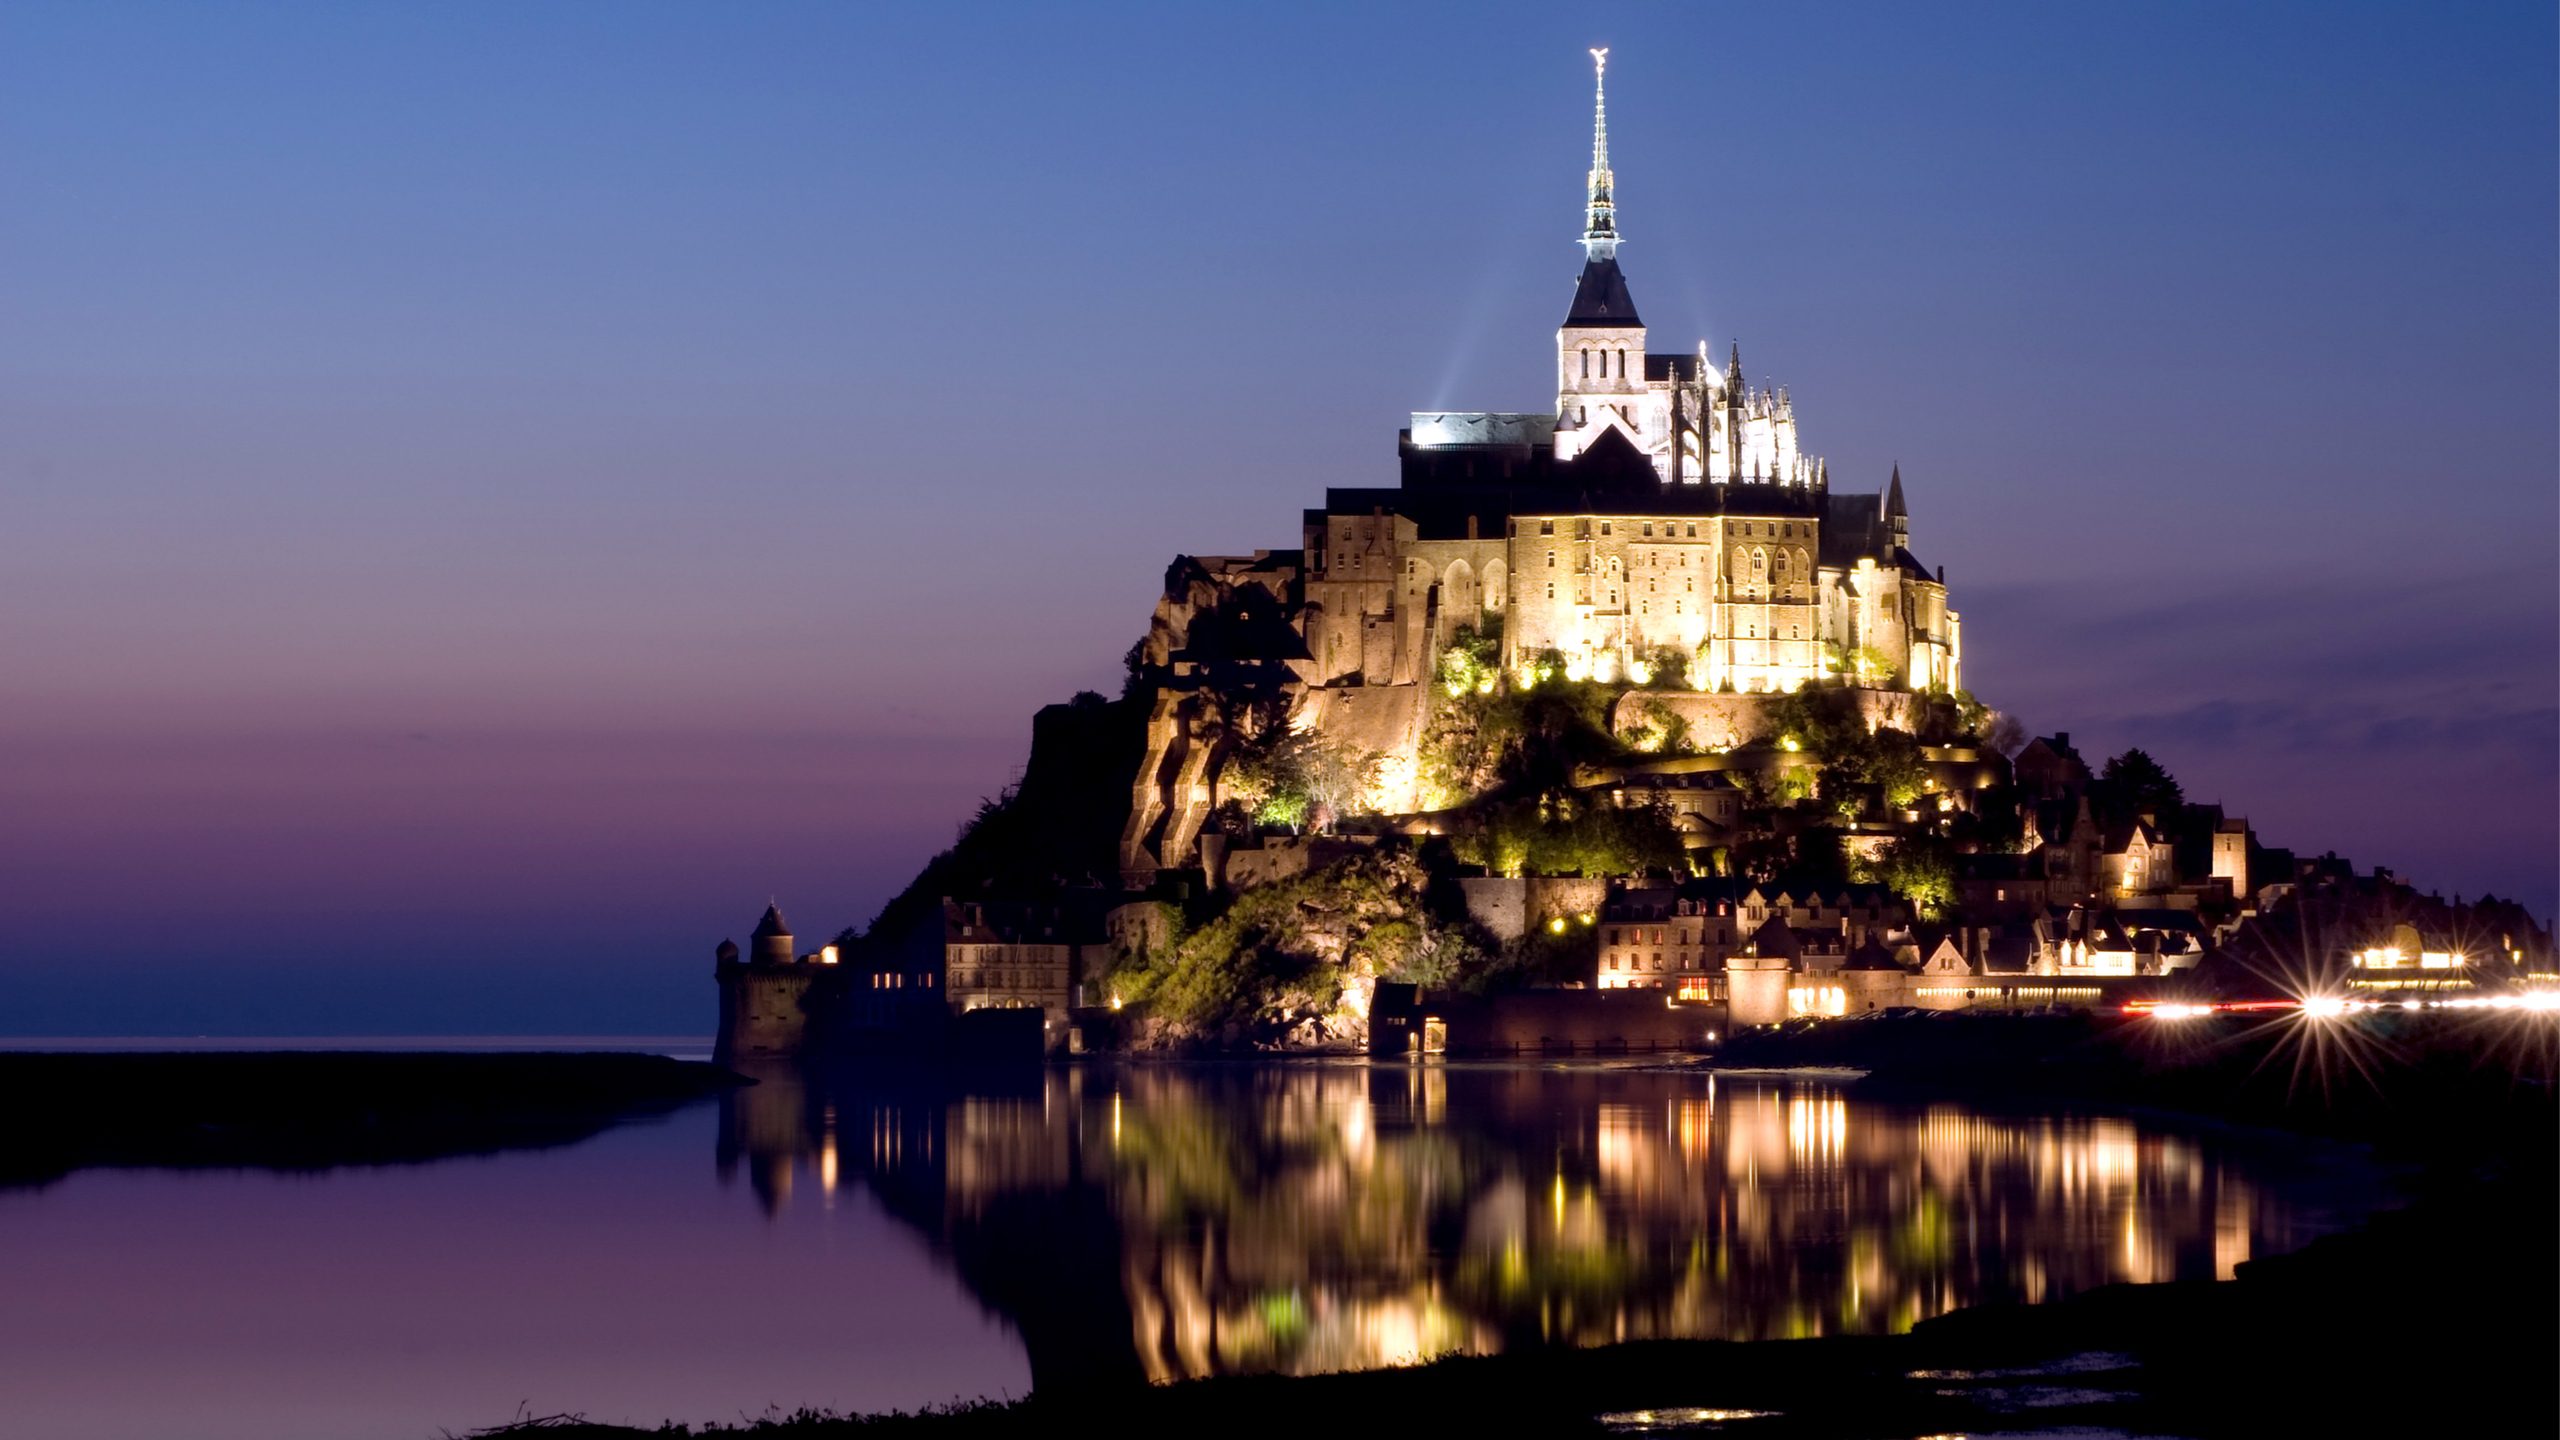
column 848, row 1247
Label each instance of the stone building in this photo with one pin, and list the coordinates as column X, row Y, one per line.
column 1010, row 957
column 772, row 1001
column 1662, row 525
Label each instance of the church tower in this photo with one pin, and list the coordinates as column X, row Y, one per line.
column 1600, row 362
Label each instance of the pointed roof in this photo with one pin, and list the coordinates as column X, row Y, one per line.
column 1893, row 495
column 772, row 924
column 1613, row 464
column 1600, row 297
column 1870, row 956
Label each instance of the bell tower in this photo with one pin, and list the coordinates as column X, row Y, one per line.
column 1600, row 375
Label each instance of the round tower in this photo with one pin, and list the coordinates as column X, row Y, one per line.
column 771, row 944
column 726, row 953
column 1756, row 989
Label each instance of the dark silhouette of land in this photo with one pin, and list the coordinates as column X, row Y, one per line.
column 316, row 1111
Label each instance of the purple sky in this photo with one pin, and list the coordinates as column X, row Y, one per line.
column 489, row 494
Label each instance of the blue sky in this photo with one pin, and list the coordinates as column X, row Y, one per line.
column 489, row 494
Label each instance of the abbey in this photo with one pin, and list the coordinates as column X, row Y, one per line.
column 1664, row 506
column 1662, row 528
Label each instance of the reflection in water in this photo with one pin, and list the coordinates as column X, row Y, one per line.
column 1167, row 1222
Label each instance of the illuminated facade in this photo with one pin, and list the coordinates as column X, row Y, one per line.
column 1663, row 511
column 1661, row 526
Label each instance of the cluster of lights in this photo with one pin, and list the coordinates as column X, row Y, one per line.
column 2332, row 1007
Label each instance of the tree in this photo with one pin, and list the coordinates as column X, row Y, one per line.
column 1920, row 869
column 2008, row 734
column 2133, row 784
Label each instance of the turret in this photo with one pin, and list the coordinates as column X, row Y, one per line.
column 772, row 941
column 1897, row 520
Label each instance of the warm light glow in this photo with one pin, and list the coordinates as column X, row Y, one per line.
column 1556, row 926
column 2323, row 1007
column 827, row 956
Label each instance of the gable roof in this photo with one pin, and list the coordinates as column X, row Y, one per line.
column 1613, row 463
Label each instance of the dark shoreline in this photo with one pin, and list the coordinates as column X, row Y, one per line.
column 318, row 1110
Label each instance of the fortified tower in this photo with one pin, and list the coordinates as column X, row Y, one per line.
column 767, row 999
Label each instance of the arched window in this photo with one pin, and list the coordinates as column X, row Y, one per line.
column 1586, row 364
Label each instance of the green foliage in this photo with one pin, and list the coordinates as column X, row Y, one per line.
column 1823, row 724
column 1515, row 739
column 1659, row 730
column 1286, row 777
column 1533, row 836
column 1893, row 765
column 1853, row 761
column 1973, row 718
column 1661, row 667
column 1291, row 947
column 1471, row 663
column 1920, row 869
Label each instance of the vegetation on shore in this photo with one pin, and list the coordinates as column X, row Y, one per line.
column 319, row 1110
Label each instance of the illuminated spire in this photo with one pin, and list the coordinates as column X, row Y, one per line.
column 1600, row 214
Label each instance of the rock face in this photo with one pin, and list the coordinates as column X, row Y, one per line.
column 1296, row 964
column 1223, row 641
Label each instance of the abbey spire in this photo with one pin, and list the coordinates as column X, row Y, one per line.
column 1600, row 213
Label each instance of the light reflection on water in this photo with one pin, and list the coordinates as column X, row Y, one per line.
column 1171, row 1222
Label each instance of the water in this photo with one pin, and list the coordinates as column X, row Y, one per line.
column 853, row 1247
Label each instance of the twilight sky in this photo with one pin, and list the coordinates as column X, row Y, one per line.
column 491, row 493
